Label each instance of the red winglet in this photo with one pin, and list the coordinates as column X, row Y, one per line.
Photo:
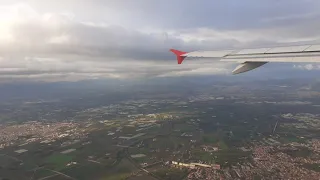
column 179, row 54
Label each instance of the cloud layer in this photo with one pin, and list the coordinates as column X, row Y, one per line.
column 41, row 42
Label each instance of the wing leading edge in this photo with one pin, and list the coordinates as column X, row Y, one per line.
column 254, row 58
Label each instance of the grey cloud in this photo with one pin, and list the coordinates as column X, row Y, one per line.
column 117, row 41
column 283, row 19
column 60, row 45
column 104, row 70
column 225, row 15
column 98, row 41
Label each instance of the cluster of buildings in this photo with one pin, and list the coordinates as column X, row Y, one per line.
column 281, row 165
column 207, row 148
column 199, row 170
column 309, row 121
column 204, row 173
column 22, row 134
column 195, row 165
column 315, row 144
column 270, row 161
column 205, row 97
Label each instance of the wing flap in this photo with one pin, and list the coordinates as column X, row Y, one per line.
column 287, row 49
column 247, row 66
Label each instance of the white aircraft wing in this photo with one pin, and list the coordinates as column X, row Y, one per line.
column 253, row 58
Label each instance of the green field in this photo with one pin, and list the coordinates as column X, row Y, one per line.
column 203, row 156
column 314, row 167
column 59, row 161
column 120, row 172
column 122, row 176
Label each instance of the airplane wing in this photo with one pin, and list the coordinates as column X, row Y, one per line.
column 254, row 58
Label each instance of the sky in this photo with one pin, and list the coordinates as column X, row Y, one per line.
column 70, row 40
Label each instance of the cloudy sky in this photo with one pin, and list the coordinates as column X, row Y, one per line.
column 55, row 40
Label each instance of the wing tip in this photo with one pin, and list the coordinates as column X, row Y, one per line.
column 179, row 55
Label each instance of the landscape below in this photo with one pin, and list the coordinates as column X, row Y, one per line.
column 161, row 130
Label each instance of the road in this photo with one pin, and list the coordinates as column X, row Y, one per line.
column 140, row 167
